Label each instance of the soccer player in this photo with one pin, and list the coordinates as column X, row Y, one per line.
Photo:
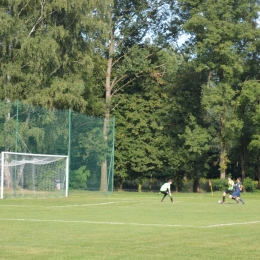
column 166, row 190
column 238, row 188
column 229, row 190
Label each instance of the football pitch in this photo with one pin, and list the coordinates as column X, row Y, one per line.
column 130, row 225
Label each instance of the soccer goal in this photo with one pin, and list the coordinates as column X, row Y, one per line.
column 34, row 175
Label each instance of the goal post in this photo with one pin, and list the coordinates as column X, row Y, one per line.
column 34, row 175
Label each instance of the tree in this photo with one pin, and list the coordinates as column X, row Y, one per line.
column 187, row 126
column 250, row 113
column 128, row 24
column 140, row 146
column 221, row 36
column 46, row 51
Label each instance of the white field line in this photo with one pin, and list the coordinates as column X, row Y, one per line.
column 85, row 205
column 158, row 202
column 231, row 224
column 89, row 222
column 63, row 206
column 125, row 223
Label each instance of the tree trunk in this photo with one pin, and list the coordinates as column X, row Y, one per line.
column 108, row 86
column 19, row 173
column 8, row 182
column 196, row 185
column 150, row 183
column 223, row 162
column 139, row 187
column 242, row 158
column 103, row 181
column 177, row 183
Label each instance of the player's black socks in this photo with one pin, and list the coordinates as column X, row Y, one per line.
column 223, row 198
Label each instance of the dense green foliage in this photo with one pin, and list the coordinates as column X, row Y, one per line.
column 183, row 112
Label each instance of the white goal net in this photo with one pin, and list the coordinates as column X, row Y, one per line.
column 33, row 175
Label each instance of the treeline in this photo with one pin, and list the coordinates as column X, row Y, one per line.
column 183, row 111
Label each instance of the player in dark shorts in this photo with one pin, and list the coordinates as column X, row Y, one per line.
column 238, row 188
column 229, row 190
column 166, row 190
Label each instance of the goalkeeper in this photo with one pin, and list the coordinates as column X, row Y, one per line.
column 166, row 190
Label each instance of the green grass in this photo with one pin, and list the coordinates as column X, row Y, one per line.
column 130, row 226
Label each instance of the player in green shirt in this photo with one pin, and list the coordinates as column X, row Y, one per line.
column 229, row 190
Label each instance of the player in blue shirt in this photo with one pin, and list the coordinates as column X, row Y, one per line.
column 238, row 188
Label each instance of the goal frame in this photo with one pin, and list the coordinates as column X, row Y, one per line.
column 31, row 154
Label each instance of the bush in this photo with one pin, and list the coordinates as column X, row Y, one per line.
column 187, row 185
column 219, row 184
column 78, row 179
column 204, row 185
column 249, row 185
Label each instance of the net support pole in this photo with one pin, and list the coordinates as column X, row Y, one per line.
column 68, row 159
column 17, row 125
column 67, row 177
column 113, row 160
column 2, row 175
column 16, row 142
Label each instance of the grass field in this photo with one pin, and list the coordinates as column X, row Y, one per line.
column 130, row 225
